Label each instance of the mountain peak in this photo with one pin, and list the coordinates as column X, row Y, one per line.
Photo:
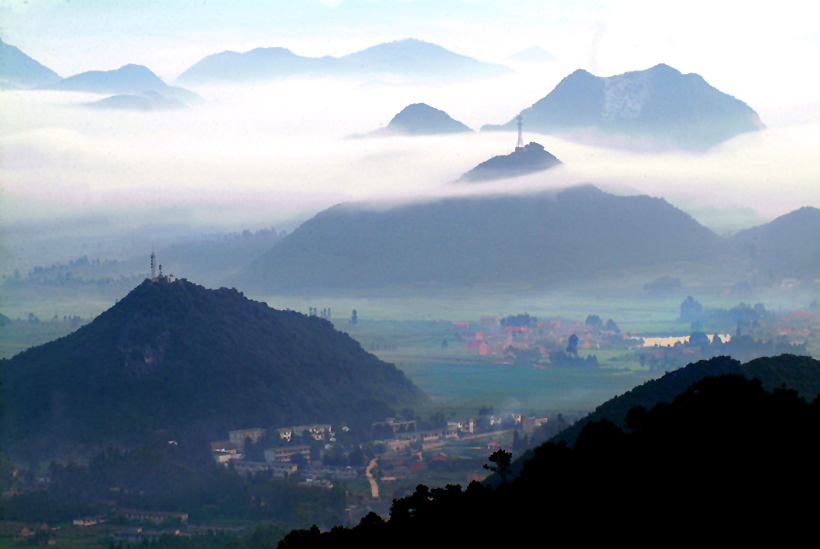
column 525, row 160
column 422, row 119
column 659, row 106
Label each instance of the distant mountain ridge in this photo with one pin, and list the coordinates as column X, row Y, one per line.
column 788, row 246
column 420, row 119
column 537, row 239
column 18, row 70
column 659, row 104
column 408, row 58
column 535, row 54
column 528, row 159
column 178, row 357
column 146, row 102
column 127, row 80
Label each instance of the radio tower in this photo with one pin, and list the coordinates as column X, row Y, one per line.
column 520, row 144
column 153, row 265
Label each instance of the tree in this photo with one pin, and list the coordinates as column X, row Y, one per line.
column 572, row 345
column 594, row 321
column 690, row 310
column 612, row 327
column 502, row 460
column 699, row 339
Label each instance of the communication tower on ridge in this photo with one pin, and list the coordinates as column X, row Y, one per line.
column 159, row 277
column 520, row 144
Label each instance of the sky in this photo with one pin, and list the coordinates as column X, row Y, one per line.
column 252, row 156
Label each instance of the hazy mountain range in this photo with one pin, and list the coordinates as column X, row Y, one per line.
column 18, row 70
column 177, row 356
column 409, row 58
column 420, row 119
column 148, row 101
column 539, row 239
column 528, row 159
column 789, row 246
column 129, row 80
column 577, row 234
column 535, row 54
column 659, row 105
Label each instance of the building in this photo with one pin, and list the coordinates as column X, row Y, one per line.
column 238, row 437
column 282, row 454
column 466, row 426
column 156, row 517
column 279, row 470
column 319, row 431
column 530, row 424
column 330, row 471
column 391, row 425
column 89, row 521
column 224, row 447
column 490, row 324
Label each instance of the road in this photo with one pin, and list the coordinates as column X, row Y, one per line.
column 374, row 488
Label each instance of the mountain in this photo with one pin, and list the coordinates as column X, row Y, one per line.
column 535, row 54
column 411, row 57
column 421, row 119
column 787, row 247
column 524, row 160
column 538, row 239
column 146, row 102
column 18, row 70
column 128, row 80
column 408, row 58
column 179, row 357
column 658, row 104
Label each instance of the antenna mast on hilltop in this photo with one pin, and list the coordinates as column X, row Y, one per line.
column 520, row 144
column 153, row 265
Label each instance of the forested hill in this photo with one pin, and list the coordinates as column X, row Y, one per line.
column 800, row 373
column 574, row 234
column 179, row 357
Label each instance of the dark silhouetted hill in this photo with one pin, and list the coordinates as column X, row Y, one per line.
column 18, row 70
column 128, row 80
column 800, row 373
column 658, row 104
column 788, row 247
column 531, row 158
column 408, row 58
column 538, row 239
column 421, row 119
column 177, row 357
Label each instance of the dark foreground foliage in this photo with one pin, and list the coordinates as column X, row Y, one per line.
column 724, row 460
